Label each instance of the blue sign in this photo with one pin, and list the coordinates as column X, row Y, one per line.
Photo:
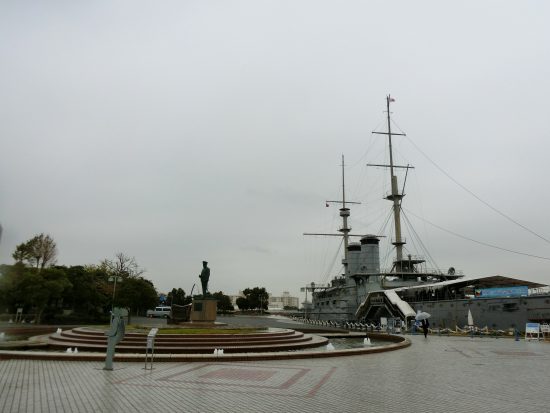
column 532, row 330
column 502, row 292
column 532, row 327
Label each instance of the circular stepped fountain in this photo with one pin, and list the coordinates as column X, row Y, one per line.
column 273, row 340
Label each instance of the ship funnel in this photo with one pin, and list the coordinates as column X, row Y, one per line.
column 370, row 254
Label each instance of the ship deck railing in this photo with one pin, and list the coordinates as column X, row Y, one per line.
column 425, row 272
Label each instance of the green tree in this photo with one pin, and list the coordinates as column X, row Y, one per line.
column 136, row 293
column 89, row 293
column 124, row 274
column 224, row 302
column 40, row 251
column 33, row 290
column 257, row 297
column 38, row 290
column 243, row 304
column 177, row 296
column 10, row 278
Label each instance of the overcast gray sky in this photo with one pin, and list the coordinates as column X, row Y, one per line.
column 182, row 131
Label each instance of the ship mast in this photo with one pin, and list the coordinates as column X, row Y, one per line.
column 394, row 196
column 344, row 213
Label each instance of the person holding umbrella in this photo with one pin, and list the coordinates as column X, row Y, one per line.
column 423, row 318
column 425, row 324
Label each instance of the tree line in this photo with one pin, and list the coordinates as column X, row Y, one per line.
column 255, row 298
column 79, row 293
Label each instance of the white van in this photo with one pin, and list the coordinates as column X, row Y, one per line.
column 163, row 312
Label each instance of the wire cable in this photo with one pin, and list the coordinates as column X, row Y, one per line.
column 329, row 270
column 418, row 241
column 479, row 242
column 477, row 197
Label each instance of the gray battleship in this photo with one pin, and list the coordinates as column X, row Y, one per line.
column 365, row 292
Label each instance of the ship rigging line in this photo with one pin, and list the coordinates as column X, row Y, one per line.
column 325, row 277
column 479, row 242
column 477, row 197
column 382, row 230
column 413, row 232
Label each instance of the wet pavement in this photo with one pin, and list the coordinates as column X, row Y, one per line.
column 451, row 374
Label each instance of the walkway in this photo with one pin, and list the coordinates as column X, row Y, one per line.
column 434, row 375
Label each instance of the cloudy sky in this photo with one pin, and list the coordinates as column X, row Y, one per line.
column 182, row 131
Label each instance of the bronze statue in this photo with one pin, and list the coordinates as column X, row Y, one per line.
column 205, row 276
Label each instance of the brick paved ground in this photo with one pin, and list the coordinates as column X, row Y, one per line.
column 440, row 374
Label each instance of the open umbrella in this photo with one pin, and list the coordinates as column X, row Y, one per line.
column 422, row 315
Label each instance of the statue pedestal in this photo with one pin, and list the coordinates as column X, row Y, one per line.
column 204, row 310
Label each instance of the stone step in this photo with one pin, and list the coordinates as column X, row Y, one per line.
column 280, row 340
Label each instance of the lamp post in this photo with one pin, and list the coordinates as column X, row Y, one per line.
column 114, row 278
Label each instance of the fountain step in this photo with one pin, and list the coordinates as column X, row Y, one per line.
column 280, row 340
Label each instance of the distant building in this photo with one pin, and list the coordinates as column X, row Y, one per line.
column 285, row 300
column 275, row 303
column 234, row 299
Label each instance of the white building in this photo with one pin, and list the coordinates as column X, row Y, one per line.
column 285, row 300
column 275, row 303
column 234, row 299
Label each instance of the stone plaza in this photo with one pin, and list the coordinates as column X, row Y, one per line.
column 437, row 374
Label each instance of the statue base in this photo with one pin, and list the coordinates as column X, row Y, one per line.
column 204, row 310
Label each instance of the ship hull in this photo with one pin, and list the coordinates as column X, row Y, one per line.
column 493, row 313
